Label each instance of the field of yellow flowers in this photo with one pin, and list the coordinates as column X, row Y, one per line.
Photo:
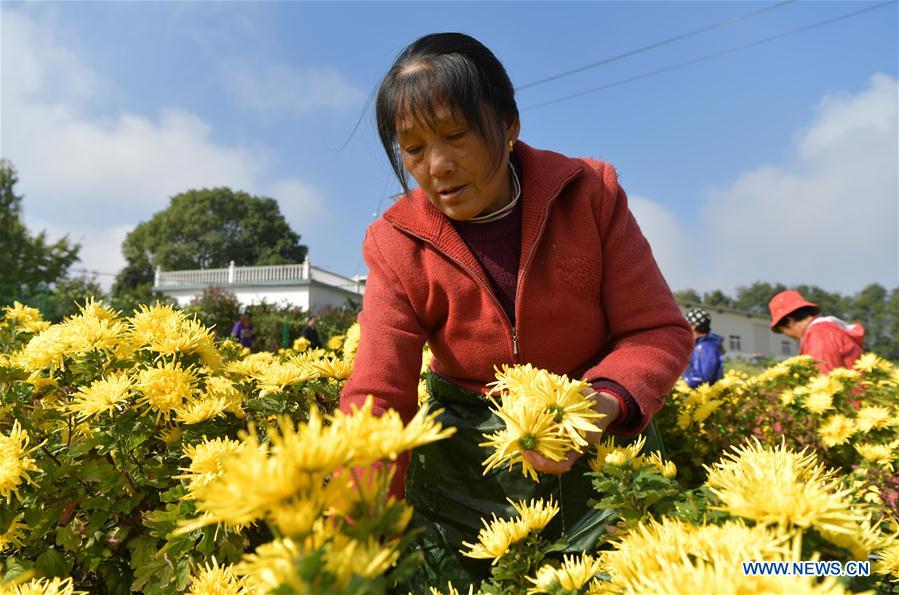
column 139, row 454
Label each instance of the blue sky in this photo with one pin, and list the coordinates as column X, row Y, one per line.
column 776, row 162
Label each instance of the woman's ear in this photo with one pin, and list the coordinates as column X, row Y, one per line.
column 513, row 129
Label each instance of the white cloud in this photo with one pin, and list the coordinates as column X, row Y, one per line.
column 278, row 89
column 95, row 178
column 671, row 245
column 829, row 216
column 301, row 203
column 100, row 253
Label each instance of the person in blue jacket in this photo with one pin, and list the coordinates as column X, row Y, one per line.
column 707, row 361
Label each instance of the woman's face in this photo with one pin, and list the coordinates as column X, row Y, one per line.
column 453, row 164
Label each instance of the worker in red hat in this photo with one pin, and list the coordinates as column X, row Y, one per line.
column 833, row 342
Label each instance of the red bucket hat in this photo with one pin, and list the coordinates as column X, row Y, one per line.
column 787, row 302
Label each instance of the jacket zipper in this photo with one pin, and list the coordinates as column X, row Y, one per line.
column 527, row 263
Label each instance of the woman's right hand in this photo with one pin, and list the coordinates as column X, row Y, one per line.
column 544, row 465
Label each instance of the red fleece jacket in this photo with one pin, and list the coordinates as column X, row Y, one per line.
column 833, row 342
column 591, row 301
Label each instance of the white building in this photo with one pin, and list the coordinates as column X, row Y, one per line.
column 300, row 285
column 746, row 334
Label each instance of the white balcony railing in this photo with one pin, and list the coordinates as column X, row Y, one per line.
column 273, row 274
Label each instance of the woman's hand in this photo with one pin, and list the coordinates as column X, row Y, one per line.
column 606, row 404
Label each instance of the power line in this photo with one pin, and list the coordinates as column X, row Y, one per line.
column 707, row 57
column 646, row 48
column 93, row 272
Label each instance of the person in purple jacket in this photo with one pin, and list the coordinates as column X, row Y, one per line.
column 243, row 330
column 707, row 361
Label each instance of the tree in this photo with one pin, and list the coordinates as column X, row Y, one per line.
column 208, row 228
column 68, row 294
column 687, row 295
column 718, row 299
column 755, row 298
column 217, row 309
column 28, row 263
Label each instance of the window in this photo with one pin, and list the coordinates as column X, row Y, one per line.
column 785, row 348
column 734, row 342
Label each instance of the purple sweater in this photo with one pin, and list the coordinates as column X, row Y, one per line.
column 497, row 246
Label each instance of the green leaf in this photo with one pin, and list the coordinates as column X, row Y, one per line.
column 67, row 538
column 52, row 563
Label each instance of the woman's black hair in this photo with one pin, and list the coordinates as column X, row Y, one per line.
column 446, row 68
column 797, row 315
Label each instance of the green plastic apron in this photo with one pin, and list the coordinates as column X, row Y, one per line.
column 446, row 485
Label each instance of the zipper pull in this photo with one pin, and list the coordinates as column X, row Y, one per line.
column 514, row 341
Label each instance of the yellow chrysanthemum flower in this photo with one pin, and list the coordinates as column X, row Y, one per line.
column 332, row 368
column 86, row 332
column 818, row 402
column 426, row 358
column 495, row 539
column 218, row 387
column 272, row 565
column 13, row 534
column 869, row 362
column 45, row 351
column 102, row 396
column 527, row 428
column 608, row 453
column 253, row 365
column 837, row 429
column 787, row 397
column 250, row 483
column 572, row 409
column 279, row 376
column 43, row 586
column 888, row 561
column 335, row 343
column 297, row 516
column 351, row 493
column 25, row 318
column 666, row 468
column 214, row 579
column 165, row 388
column 860, row 539
column 98, row 309
column 351, row 343
column 825, row 383
column 656, row 550
column 15, row 464
column 884, row 455
column 346, row 557
column 207, row 460
column 706, row 409
column 199, row 409
column 384, row 437
column 776, row 486
column 300, row 344
column 312, row 446
column 845, row 374
column 572, row 575
column 166, row 331
column 718, row 577
column 874, row 417
column 423, row 394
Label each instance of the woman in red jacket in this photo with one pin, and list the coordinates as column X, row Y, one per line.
column 504, row 254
